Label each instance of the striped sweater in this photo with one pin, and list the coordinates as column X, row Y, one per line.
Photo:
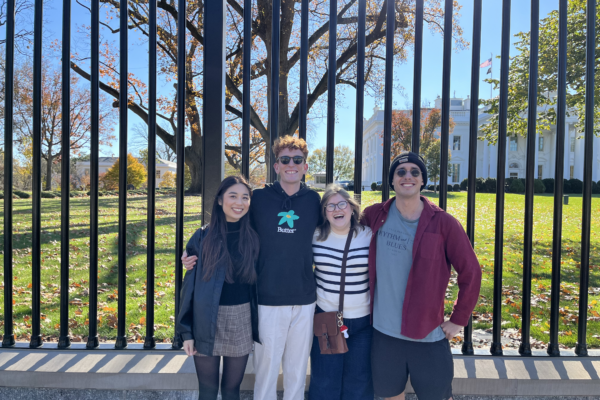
column 327, row 256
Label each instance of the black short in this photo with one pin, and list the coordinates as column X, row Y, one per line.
column 429, row 365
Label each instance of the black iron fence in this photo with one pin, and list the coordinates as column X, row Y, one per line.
column 214, row 89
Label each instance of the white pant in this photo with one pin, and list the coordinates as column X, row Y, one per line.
column 286, row 333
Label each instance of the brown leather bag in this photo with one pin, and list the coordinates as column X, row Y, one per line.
column 327, row 324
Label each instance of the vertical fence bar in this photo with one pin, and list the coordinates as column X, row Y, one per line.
column 246, row 89
column 445, row 128
column 496, row 348
column 390, row 28
column 467, row 346
column 93, row 341
column 149, row 341
column 418, row 68
column 584, row 270
column 303, row 103
column 360, row 98
column 561, row 108
column 36, row 266
column 8, row 340
column 331, row 76
column 213, row 143
column 274, row 114
column 64, row 341
column 121, row 342
column 180, row 147
column 525, row 348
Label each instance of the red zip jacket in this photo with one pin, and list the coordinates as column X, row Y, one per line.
column 440, row 241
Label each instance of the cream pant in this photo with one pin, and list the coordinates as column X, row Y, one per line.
column 286, row 333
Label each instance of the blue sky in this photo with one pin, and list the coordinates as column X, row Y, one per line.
column 403, row 74
column 432, row 65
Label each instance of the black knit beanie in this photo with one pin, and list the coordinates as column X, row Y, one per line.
column 408, row 157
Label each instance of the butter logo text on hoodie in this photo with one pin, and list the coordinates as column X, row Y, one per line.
column 287, row 217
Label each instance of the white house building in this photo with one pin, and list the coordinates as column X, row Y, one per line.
column 104, row 163
column 545, row 151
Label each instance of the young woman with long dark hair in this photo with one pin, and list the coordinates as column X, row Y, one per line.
column 218, row 315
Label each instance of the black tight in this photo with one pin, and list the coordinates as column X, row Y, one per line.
column 207, row 369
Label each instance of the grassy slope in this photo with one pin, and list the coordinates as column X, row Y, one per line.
column 164, row 260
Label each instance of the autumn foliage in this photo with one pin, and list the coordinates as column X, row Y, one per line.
column 136, row 174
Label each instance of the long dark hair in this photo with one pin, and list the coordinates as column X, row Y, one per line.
column 214, row 248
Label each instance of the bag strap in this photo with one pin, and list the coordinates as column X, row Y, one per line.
column 343, row 277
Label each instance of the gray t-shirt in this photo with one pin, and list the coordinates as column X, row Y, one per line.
column 394, row 260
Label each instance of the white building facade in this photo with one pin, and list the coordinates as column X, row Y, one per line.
column 545, row 150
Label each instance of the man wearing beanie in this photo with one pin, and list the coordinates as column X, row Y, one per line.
column 414, row 245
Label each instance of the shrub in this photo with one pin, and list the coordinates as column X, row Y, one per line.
column 456, row 187
column 450, row 188
column 379, row 187
column 480, row 185
column 1, row 195
column 516, row 186
column 21, row 195
column 576, row 186
column 464, row 185
column 567, row 187
column 437, row 188
column 430, row 187
column 595, row 188
column 538, row 186
column 373, row 186
column 490, row 185
column 549, row 184
column 48, row 195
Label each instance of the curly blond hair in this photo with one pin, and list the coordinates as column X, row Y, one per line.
column 291, row 143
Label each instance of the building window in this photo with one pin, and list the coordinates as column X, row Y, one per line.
column 514, row 175
column 456, row 143
column 513, row 165
column 541, row 143
column 455, row 173
column 158, row 174
column 540, row 169
column 571, row 172
column 572, row 145
column 513, row 143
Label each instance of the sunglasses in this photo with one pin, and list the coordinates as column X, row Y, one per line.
column 341, row 205
column 414, row 172
column 285, row 160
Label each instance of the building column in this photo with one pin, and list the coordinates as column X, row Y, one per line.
column 596, row 158
column 506, row 174
column 536, row 157
column 567, row 161
column 579, row 152
column 494, row 161
column 486, row 159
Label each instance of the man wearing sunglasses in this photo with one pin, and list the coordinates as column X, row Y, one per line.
column 285, row 214
column 415, row 243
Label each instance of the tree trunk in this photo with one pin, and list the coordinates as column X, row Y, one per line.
column 49, row 171
column 195, row 163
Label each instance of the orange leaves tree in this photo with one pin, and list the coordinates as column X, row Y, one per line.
column 136, row 173
column 431, row 121
column 79, row 116
column 288, row 118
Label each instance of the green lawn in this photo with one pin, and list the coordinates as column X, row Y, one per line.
column 165, row 257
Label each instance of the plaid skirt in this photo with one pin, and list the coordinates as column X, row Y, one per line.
column 234, row 332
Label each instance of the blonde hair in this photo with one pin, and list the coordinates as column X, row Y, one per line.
column 291, row 143
column 325, row 228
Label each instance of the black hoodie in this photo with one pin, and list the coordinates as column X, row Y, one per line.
column 285, row 226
